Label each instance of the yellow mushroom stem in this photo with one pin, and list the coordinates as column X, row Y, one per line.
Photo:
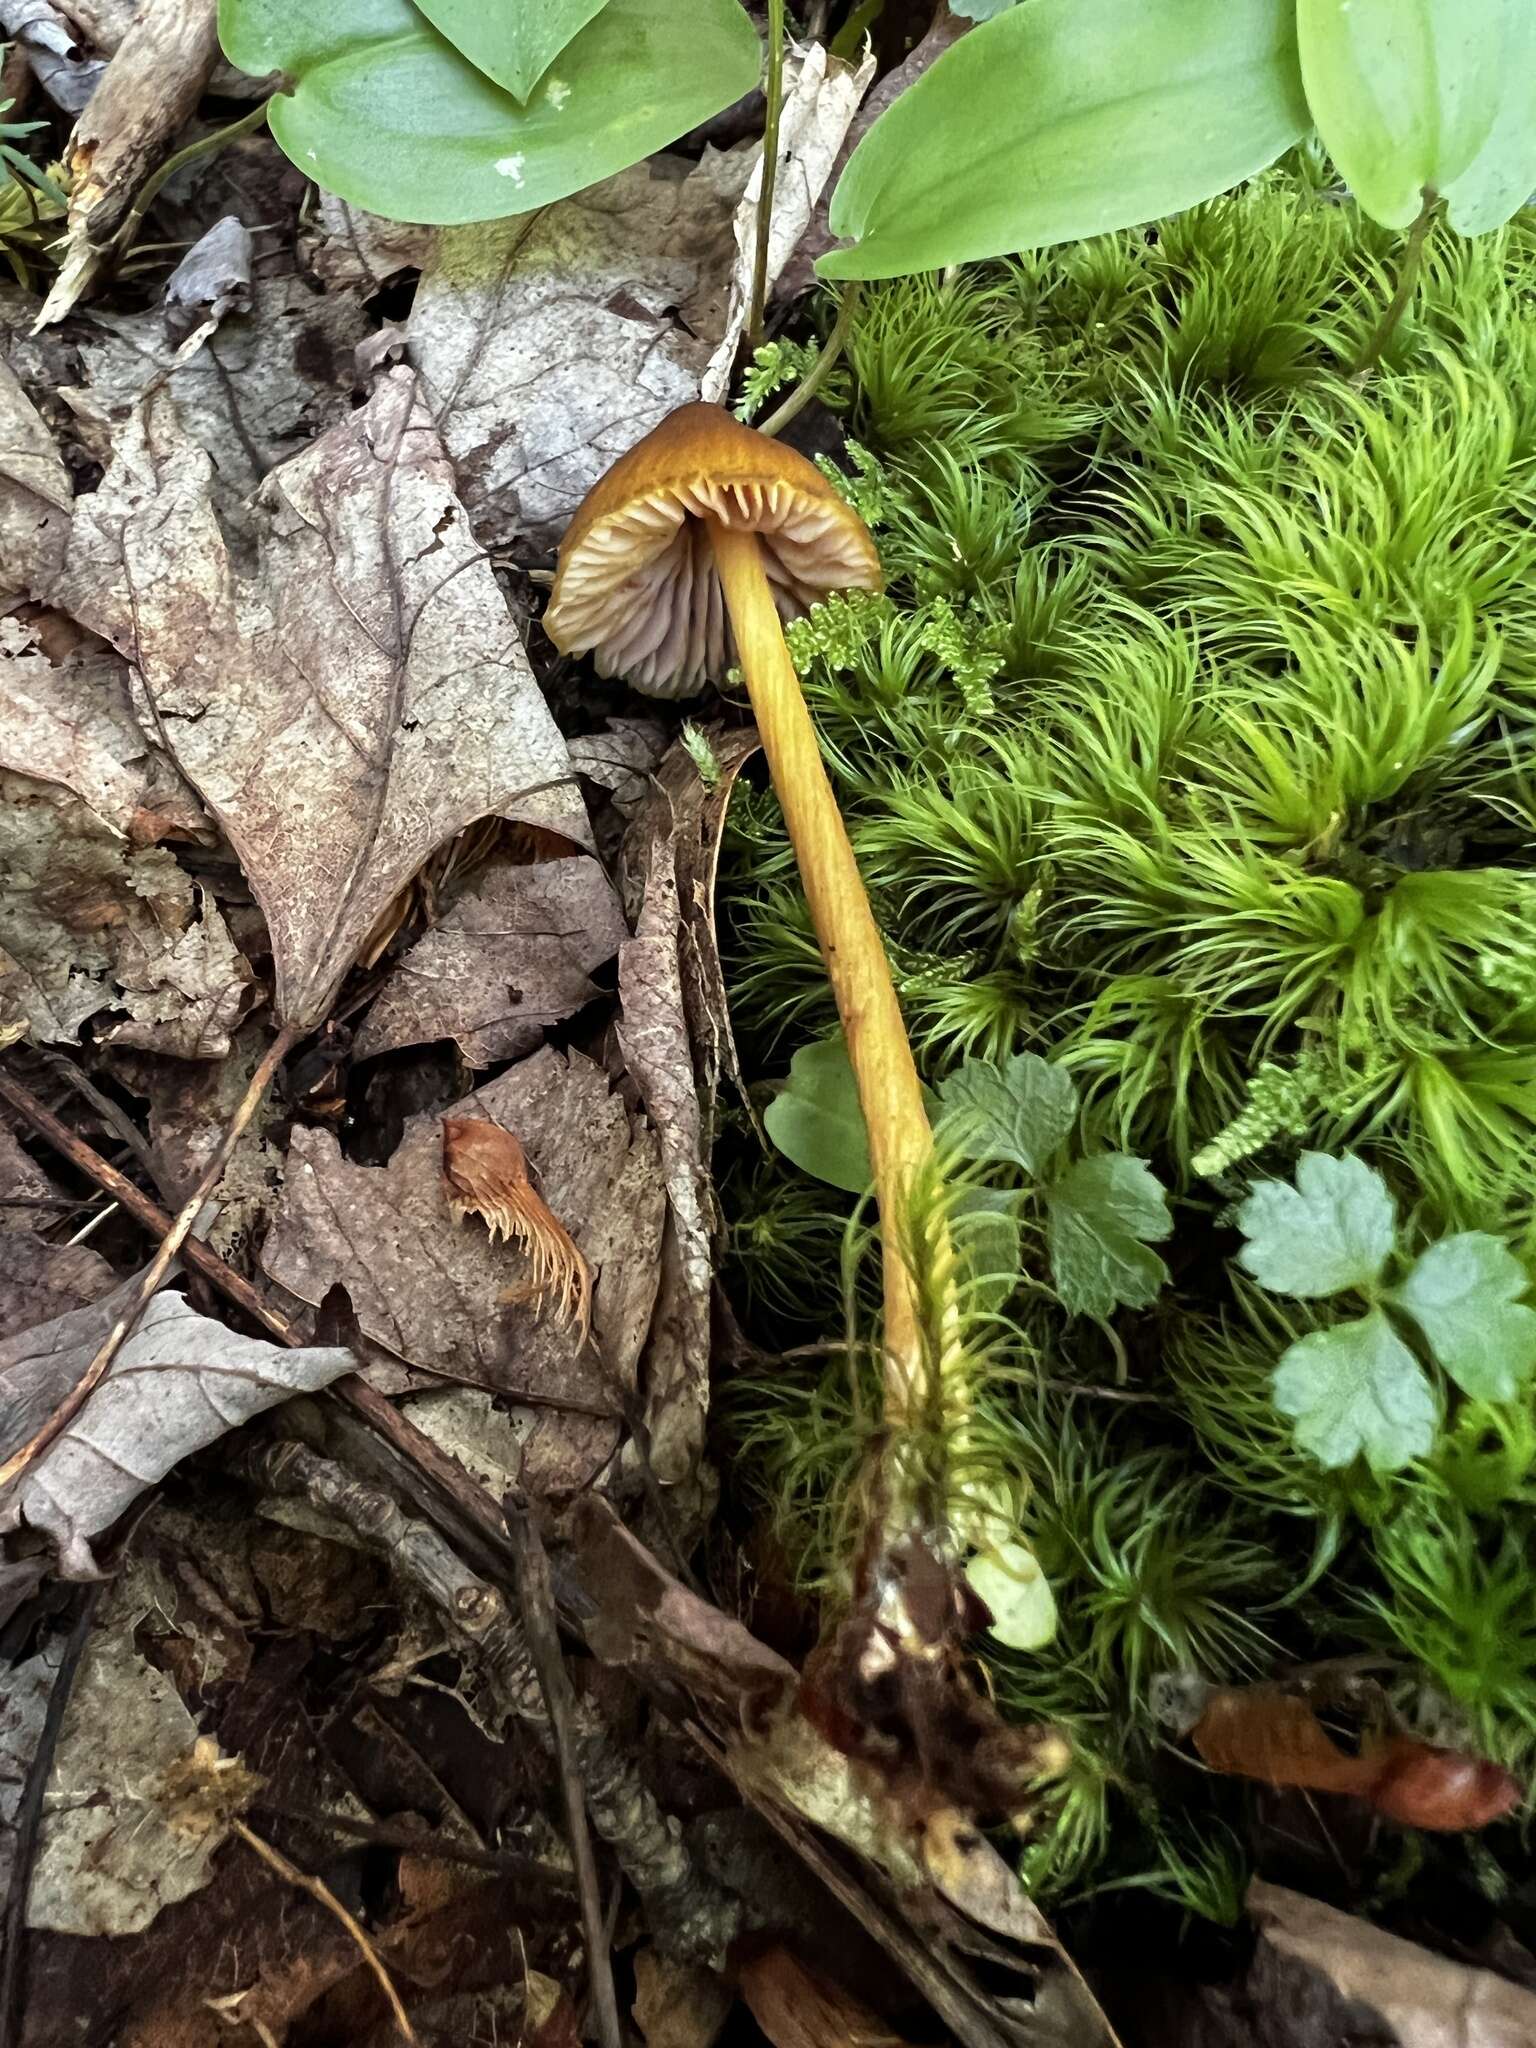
column 890, row 1093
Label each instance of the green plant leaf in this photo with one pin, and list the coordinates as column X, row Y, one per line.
column 984, row 1225
column 1099, row 1215
column 1018, row 1113
column 1357, row 1391
column 1065, row 118
column 1464, row 1295
column 515, row 45
column 387, row 114
column 815, row 1119
column 980, row 10
column 1008, row 1577
column 1333, row 1230
column 1409, row 94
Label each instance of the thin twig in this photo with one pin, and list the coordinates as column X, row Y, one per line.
column 318, row 1889
column 28, row 1821
column 154, row 1273
column 113, row 1116
column 537, row 1600
column 420, row 1841
column 1407, row 278
column 816, row 376
column 774, row 94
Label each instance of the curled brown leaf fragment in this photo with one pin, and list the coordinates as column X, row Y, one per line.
column 486, row 1171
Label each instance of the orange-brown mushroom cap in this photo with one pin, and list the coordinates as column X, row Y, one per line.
column 637, row 587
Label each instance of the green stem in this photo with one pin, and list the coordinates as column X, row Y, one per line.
column 154, row 184
column 816, row 376
column 774, row 92
column 1407, row 278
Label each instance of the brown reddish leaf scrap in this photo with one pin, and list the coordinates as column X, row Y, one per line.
column 487, row 1174
column 1264, row 1732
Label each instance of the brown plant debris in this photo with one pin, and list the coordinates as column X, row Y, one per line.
column 486, row 1170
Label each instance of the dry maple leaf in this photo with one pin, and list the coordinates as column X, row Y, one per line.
column 487, row 1175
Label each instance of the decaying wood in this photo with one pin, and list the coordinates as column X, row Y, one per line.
column 151, row 86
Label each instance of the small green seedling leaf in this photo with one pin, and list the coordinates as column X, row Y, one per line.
column 1064, row 118
column 386, row 113
column 515, row 45
column 1018, row 1594
column 984, row 1226
column 1333, row 1230
column 1436, row 95
column 815, row 1119
column 1357, row 1391
column 1017, row 1114
column 1464, row 1295
column 1100, row 1214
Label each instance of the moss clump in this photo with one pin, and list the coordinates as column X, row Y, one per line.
column 1192, row 748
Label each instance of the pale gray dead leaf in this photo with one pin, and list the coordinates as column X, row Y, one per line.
column 210, row 282
column 71, row 722
column 89, row 923
column 178, row 1384
column 432, row 1289
column 821, row 97
column 653, row 1033
column 39, row 1281
column 59, row 59
column 36, row 498
column 512, row 956
column 1322, row 1975
column 120, row 1838
column 621, row 759
column 490, row 1442
column 349, row 706
column 550, row 343
column 257, row 392
column 350, row 246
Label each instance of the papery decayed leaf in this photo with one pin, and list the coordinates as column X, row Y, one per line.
column 1264, row 1732
column 548, row 347
column 1356, row 1390
column 796, row 2007
column 178, row 1384
column 349, row 706
column 1464, row 1294
column 1017, row 1112
column 1065, row 118
column 815, row 1119
column 486, row 1170
column 1437, row 97
column 1102, row 1214
column 387, row 114
column 510, row 958
column 434, row 1291
column 35, row 493
column 514, row 45
column 1334, row 1230
column 39, row 1280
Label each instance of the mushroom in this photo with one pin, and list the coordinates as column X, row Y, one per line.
column 700, row 542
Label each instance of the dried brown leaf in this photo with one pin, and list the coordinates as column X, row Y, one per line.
column 799, row 2008
column 349, row 706
column 486, row 1171
column 678, row 2004
column 550, row 343
column 39, row 1281
column 433, row 1292
column 511, row 957
column 36, row 498
column 178, row 1383
column 350, row 246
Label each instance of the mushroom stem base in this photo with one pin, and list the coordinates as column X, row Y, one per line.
column 890, row 1093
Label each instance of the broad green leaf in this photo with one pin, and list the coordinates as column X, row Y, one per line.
column 1018, row 1113
column 514, row 44
column 980, row 10
column 1416, row 94
column 1357, row 1391
column 985, row 1228
column 1333, row 1230
column 387, row 114
column 1464, row 1294
column 1019, row 1594
column 1064, row 118
column 1098, row 1216
column 815, row 1119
